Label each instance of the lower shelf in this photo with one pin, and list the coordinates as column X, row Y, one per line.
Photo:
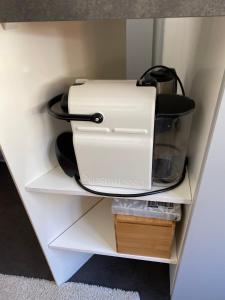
column 94, row 233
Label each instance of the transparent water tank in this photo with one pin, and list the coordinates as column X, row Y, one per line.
column 171, row 135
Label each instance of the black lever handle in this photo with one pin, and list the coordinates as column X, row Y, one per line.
column 95, row 118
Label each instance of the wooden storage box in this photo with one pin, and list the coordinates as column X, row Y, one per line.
column 144, row 236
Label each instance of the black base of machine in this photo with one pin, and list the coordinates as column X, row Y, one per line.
column 65, row 154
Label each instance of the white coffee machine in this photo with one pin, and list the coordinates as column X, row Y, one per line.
column 125, row 134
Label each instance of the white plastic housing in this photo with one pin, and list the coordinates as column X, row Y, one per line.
column 117, row 152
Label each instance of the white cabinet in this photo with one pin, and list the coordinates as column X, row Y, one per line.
column 39, row 61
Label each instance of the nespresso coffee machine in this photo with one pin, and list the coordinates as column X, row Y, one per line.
column 125, row 134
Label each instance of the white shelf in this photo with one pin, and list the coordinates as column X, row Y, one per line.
column 56, row 182
column 94, row 233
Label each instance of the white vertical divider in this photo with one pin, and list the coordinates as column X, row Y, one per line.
column 39, row 61
column 157, row 47
column 139, row 41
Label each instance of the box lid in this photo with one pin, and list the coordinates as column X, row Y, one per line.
column 152, row 209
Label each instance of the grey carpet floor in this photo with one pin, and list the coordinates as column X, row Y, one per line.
column 23, row 288
column 21, row 254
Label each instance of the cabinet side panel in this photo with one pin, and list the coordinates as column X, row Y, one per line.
column 195, row 47
column 202, row 266
column 39, row 61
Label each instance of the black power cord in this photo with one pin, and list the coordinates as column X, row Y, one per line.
column 77, row 178
column 169, row 70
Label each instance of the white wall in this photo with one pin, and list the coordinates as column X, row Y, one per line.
column 38, row 61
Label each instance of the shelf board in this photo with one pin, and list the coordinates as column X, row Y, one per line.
column 94, row 233
column 56, row 182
